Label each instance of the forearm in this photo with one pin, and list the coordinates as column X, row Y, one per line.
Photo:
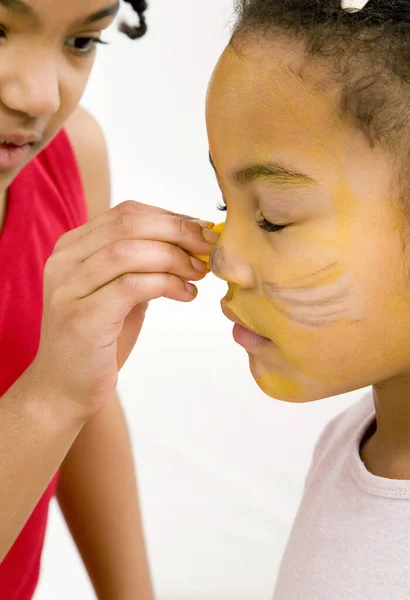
column 99, row 498
column 36, row 432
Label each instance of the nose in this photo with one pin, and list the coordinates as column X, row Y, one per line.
column 32, row 88
column 228, row 262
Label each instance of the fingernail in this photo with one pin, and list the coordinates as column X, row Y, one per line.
column 204, row 223
column 198, row 265
column 191, row 288
column 210, row 236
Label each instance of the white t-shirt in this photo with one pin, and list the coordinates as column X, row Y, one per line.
column 351, row 536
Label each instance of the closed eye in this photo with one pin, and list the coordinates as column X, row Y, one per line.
column 268, row 226
column 261, row 222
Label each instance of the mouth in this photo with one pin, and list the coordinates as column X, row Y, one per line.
column 19, row 138
column 15, row 148
column 243, row 335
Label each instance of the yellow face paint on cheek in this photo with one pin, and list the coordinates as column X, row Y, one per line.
column 305, row 322
column 337, row 298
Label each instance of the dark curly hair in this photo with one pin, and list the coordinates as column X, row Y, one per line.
column 367, row 50
column 136, row 31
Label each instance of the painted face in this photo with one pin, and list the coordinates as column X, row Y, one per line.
column 326, row 284
column 47, row 50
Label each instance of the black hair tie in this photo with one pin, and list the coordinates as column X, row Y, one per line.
column 381, row 12
column 136, row 31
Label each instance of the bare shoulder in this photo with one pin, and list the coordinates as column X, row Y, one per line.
column 89, row 145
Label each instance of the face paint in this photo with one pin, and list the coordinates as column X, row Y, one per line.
column 205, row 257
column 319, row 305
column 329, row 291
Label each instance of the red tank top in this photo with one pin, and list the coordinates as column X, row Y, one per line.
column 45, row 200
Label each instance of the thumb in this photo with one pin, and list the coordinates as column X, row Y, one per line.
column 131, row 329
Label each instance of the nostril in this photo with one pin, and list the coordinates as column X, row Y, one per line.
column 216, row 260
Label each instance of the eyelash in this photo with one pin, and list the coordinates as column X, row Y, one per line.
column 92, row 41
column 88, row 40
column 262, row 222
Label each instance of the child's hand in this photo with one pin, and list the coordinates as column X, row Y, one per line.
column 97, row 284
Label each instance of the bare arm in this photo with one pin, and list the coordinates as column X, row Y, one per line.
column 36, row 432
column 98, row 496
column 97, row 490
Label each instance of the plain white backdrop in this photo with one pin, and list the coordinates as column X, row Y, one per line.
column 220, row 465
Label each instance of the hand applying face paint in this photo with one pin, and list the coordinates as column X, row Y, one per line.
column 205, row 257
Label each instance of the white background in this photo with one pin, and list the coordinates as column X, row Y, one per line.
column 220, row 466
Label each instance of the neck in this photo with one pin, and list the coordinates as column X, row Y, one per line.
column 392, row 404
column 387, row 452
column 3, row 208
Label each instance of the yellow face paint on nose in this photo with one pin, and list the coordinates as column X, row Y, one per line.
column 205, row 257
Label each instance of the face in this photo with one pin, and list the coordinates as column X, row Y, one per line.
column 313, row 244
column 47, row 49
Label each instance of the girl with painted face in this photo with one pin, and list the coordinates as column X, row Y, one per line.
column 75, row 281
column 308, row 123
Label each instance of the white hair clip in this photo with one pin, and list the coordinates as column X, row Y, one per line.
column 353, row 5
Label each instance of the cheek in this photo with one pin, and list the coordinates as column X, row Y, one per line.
column 313, row 327
column 312, row 285
column 72, row 84
column 318, row 304
column 332, row 339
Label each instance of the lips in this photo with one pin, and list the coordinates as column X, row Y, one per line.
column 19, row 138
column 229, row 314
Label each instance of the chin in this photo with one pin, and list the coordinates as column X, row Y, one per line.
column 286, row 389
column 276, row 385
column 281, row 390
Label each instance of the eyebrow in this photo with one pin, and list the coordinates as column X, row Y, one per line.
column 18, row 6
column 23, row 9
column 110, row 11
column 271, row 171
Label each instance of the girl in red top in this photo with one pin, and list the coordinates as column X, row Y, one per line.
column 75, row 280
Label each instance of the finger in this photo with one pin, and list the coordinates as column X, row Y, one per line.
column 145, row 225
column 219, row 228
column 129, row 207
column 130, row 331
column 133, row 256
column 115, row 300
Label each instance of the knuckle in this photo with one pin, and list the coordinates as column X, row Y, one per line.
column 129, row 207
column 118, row 250
column 170, row 257
column 128, row 282
column 55, row 269
column 124, row 224
column 170, row 286
column 58, row 299
column 50, row 266
column 179, row 228
column 171, row 283
column 165, row 256
column 174, row 256
column 60, row 242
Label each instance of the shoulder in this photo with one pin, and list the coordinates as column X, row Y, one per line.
column 90, row 148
